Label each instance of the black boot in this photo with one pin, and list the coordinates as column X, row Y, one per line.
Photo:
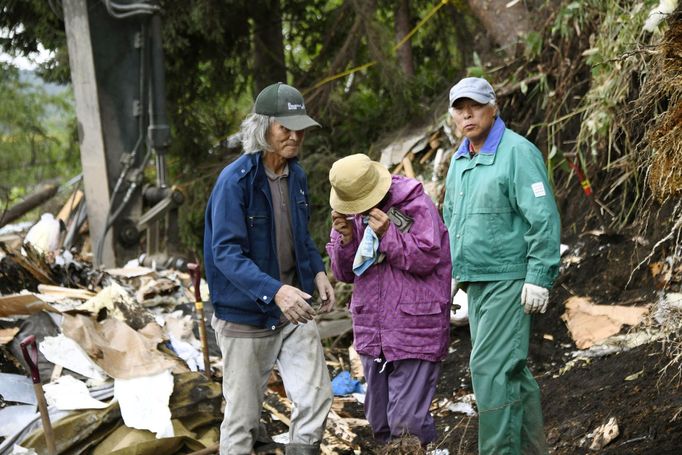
column 303, row 449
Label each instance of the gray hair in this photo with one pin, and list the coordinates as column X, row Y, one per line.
column 253, row 132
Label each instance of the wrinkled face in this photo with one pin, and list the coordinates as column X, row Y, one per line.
column 283, row 141
column 473, row 119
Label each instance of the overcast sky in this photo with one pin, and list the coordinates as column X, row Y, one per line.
column 24, row 63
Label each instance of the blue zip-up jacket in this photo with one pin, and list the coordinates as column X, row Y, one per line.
column 239, row 242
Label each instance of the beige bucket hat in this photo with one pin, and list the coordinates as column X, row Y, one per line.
column 358, row 184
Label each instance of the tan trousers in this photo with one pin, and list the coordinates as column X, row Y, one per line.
column 247, row 364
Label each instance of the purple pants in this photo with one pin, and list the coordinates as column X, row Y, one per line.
column 399, row 394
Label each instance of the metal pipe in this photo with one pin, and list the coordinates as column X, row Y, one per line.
column 158, row 131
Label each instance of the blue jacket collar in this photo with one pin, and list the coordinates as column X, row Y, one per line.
column 491, row 142
column 256, row 160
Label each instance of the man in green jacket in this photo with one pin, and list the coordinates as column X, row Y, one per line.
column 504, row 239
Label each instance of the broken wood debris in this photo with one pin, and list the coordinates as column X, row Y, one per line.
column 337, row 434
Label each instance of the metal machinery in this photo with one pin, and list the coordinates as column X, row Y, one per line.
column 116, row 61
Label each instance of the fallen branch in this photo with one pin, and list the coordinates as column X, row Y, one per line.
column 30, row 202
column 504, row 91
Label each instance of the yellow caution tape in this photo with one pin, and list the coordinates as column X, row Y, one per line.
column 405, row 38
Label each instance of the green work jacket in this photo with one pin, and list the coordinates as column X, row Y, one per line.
column 500, row 212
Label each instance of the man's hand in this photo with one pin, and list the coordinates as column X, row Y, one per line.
column 326, row 291
column 534, row 298
column 378, row 221
column 292, row 302
column 343, row 226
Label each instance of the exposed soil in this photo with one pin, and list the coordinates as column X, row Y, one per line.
column 585, row 397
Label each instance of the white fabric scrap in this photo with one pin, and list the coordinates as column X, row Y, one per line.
column 18, row 450
column 17, row 388
column 282, row 438
column 460, row 316
column 144, row 403
column 44, row 235
column 359, row 397
column 659, row 13
column 465, row 405
column 68, row 394
column 193, row 357
column 64, row 351
column 14, row 418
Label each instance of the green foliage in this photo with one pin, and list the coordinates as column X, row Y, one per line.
column 533, row 46
column 37, row 134
column 209, row 61
column 611, row 47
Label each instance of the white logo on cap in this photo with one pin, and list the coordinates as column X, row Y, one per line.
column 295, row 106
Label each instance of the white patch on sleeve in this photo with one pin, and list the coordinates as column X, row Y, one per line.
column 538, row 189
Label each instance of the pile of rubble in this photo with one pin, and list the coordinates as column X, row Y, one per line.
column 116, row 356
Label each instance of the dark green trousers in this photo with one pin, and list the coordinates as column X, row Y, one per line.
column 508, row 398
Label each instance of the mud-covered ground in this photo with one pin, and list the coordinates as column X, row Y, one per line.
column 578, row 401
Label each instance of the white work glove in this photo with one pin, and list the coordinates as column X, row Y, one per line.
column 534, row 298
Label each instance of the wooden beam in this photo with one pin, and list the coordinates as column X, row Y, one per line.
column 90, row 131
column 33, row 200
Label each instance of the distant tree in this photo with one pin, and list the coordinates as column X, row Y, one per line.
column 268, row 45
column 36, row 134
column 402, row 28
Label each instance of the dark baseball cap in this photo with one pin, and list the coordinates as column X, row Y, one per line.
column 285, row 103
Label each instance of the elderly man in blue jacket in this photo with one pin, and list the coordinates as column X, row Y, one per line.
column 262, row 268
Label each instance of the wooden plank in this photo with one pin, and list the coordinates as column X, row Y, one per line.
column 25, row 262
column 407, row 164
column 70, row 205
column 60, row 291
column 427, row 155
column 16, row 304
column 88, row 111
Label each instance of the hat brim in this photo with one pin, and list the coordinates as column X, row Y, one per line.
column 363, row 204
column 481, row 99
column 296, row 122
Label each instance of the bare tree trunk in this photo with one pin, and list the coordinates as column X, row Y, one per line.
column 268, row 63
column 402, row 28
column 504, row 24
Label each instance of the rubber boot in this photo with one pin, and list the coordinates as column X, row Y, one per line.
column 302, row 449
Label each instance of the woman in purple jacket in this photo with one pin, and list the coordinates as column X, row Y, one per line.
column 389, row 240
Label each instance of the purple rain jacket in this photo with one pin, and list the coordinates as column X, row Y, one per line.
column 401, row 306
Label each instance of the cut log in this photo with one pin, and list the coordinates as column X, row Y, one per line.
column 33, row 200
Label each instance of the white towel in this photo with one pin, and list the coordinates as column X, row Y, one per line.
column 367, row 252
